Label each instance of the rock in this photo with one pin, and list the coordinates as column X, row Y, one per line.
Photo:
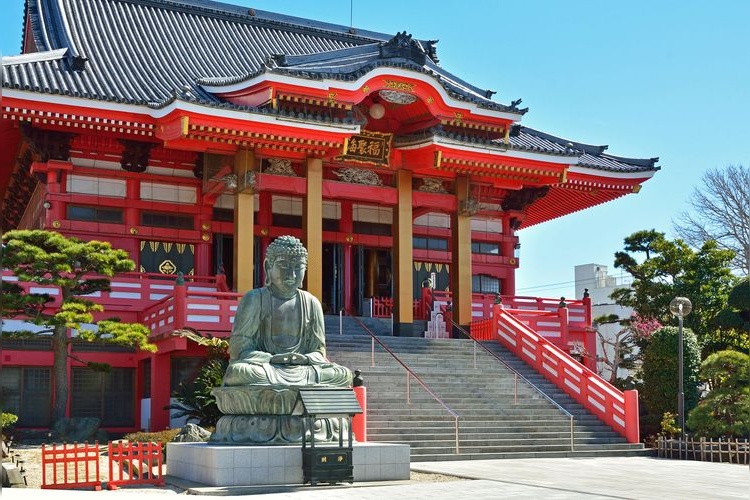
column 12, row 477
column 77, row 430
column 192, row 433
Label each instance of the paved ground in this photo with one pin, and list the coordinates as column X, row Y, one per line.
column 550, row 479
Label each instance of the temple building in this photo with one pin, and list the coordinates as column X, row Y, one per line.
column 191, row 133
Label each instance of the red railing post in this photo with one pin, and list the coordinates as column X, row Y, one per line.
column 563, row 317
column 180, row 306
column 359, row 421
column 587, row 311
column 632, row 419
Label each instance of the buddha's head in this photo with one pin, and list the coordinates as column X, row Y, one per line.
column 285, row 265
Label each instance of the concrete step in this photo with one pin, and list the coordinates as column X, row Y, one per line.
column 500, row 415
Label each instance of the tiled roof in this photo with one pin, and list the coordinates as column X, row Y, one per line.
column 144, row 51
column 150, row 51
column 529, row 140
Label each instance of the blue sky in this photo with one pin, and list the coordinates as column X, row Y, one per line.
column 648, row 78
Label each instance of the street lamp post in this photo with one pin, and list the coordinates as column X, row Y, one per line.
column 680, row 307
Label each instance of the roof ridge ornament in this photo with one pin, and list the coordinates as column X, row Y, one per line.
column 403, row 46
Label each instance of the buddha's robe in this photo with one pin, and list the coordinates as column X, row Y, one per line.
column 265, row 326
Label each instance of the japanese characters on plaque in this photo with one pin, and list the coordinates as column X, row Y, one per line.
column 368, row 147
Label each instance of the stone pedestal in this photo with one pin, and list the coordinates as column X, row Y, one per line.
column 261, row 414
column 232, row 465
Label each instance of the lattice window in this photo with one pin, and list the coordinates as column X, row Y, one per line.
column 481, row 283
column 26, row 392
column 107, row 396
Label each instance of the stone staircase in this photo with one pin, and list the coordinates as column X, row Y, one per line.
column 500, row 415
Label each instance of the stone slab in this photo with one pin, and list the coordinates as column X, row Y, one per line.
column 233, row 465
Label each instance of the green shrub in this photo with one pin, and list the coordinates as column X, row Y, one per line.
column 660, row 371
column 8, row 420
column 164, row 436
column 195, row 401
column 725, row 411
column 669, row 425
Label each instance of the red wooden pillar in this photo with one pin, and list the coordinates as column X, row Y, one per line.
column 160, row 390
column 346, row 225
column 265, row 221
column 509, row 250
column 202, row 257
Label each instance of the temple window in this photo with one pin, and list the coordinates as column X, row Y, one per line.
column 485, row 247
column 95, row 214
column 223, row 215
column 482, row 283
column 27, row 393
column 107, row 396
column 490, row 226
column 433, row 219
column 159, row 219
column 184, row 370
column 168, row 192
column 99, row 186
column 286, row 220
column 423, row 243
column 371, row 219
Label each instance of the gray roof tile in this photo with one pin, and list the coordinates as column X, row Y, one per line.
column 153, row 52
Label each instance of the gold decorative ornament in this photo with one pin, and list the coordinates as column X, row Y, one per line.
column 349, row 238
column 358, row 176
column 264, row 232
column 395, row 85
column 280, row 166
column 205, row 236
column 56, row 224
column 205, row 226
column 133, row 230
column 167, row 267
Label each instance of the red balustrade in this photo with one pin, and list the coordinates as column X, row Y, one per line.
column 617, row 409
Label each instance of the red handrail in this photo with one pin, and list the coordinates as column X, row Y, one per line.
column 617, row 409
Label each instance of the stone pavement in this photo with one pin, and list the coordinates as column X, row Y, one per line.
column 547, row 478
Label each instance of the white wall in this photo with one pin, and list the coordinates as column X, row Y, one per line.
column 600, row 284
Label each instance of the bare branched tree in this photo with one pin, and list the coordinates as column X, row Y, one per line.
column 721, row 212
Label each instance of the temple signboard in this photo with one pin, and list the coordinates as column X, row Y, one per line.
column 368, row 147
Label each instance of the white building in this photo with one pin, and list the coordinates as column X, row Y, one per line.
column 600, row 285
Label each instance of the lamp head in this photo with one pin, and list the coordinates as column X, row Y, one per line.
column 377, row 111
column 680, row 306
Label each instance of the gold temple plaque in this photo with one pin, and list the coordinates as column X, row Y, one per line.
column 368, row 147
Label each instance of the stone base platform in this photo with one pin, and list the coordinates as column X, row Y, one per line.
column 230, row 465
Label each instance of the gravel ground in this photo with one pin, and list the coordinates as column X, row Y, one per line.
column 32, row 462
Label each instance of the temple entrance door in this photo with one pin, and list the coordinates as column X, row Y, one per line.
column 374, row 275
column 333, row 277
column 224, row 256
column 223, row 249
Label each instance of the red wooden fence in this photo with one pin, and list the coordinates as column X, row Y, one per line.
column 70, row 466
column 135, row 463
